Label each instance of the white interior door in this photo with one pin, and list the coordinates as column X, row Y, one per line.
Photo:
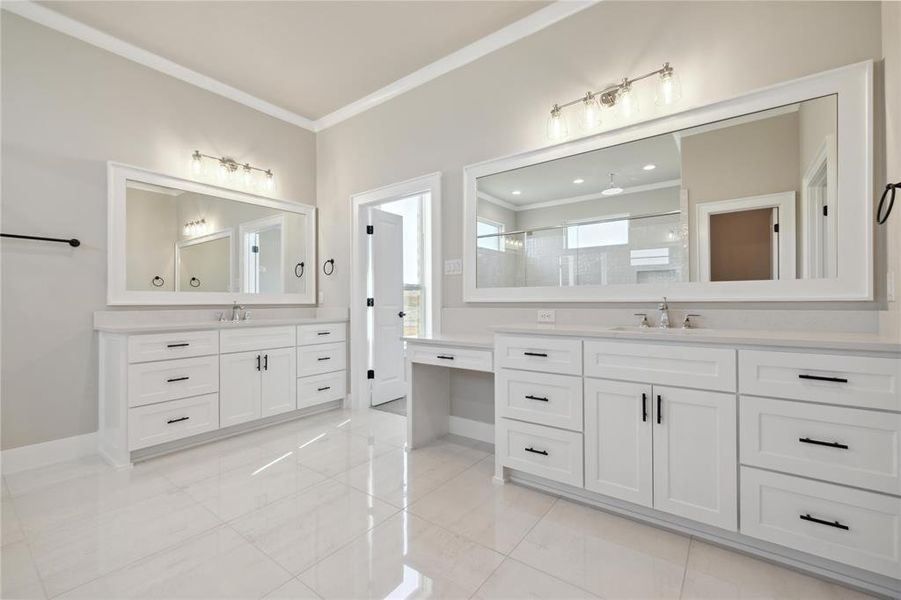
column 386, row 288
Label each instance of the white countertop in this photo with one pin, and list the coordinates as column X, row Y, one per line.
column 162, row 326
column 734, row 337
column 452, row 339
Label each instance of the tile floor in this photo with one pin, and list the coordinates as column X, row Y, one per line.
column 332, row 507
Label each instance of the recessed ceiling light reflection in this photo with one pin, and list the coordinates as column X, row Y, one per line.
column 649, row 167
column 578, row 180
column 516, row 192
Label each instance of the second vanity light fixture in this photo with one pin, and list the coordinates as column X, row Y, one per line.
column 619, row 96
column 231, row 171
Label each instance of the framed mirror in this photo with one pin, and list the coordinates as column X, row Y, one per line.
column 748, row 199
column 176, row 241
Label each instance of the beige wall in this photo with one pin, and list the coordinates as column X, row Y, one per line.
column 67, row 108
column 497, row 106
column 890, row 234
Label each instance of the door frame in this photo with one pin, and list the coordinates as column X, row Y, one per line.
column 360, row 202
column 822, row 167
column 257, row 226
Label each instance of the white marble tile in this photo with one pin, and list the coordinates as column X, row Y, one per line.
column 404, row 557
column 216, row 564
column 237, row 492
column 401, row 476
column 474, row 505
column 381, row 427
column 18, row 575
column 11, row 529
column 302, row 529
column 335, row 453
column 716, row 573
column 195, row 464
column 293, row 590
column 33, row 479
column 605, row 554
column 514, row 580
column 79, row 551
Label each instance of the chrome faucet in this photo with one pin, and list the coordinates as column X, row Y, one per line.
column 236, row 308
column 644, row 320
column 663, row 309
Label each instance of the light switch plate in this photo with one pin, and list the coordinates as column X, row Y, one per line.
column 453, row 266
column 547, row 316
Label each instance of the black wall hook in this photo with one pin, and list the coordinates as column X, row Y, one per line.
column 889, row 194
column 328, row 267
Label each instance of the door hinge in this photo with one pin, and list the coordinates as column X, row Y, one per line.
column 370, row 374
column 370, row 301
column 370, row 229
column 776, row 228
column 825, row 210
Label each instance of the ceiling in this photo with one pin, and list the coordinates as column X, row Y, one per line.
column 554, row 180
column 310, row 58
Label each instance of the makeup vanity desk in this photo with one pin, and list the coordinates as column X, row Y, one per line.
column 428, row 369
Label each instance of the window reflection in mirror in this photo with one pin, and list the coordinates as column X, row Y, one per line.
column 744, row 199
column 189, row 242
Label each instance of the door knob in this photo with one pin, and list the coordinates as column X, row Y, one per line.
column 401, row 314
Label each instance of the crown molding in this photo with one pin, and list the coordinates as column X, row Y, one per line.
column 505, row 36
column 63, row 24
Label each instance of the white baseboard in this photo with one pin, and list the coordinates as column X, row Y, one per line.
column 476, row 430
column 47, row 453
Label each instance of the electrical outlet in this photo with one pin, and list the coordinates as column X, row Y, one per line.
column 453, row 266
column 547, row 316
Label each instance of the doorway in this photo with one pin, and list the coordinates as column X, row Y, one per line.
column 396, row 285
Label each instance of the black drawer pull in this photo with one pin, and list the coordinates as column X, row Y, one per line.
column 181, row 345
column 445, row 357
column 534, row 451
column 644, row 407
column 324, row 358
column 174, row 379
column 659, row 409
column 537, row 398
column 258, row 362
column 322, row 389
column 542, row 354
column 178, row 420
column 265, row 362
column 835, row 524
column 822, row 443
column 323, row 333
column 820, row 378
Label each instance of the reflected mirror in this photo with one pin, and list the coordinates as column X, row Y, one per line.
column 750, row 198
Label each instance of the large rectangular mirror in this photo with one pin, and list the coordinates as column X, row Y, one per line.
column 185, row 242
column 762, row 203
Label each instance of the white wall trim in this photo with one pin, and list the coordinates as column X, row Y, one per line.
column 505, row 36
column 514, row 32
column 47, row 453
column 63, row 24
column 472, row 429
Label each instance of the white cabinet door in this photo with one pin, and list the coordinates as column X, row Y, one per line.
column 695, row 455
column 618, row 433
column 239, row 387
column 279, row 381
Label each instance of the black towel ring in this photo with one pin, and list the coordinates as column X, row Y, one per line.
column 882, row 218
column 325, row 266
column 194, row 283
column 157, row 281
column 298, row 266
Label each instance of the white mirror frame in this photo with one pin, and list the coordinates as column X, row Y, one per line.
column 854, row 86
column 118, row 295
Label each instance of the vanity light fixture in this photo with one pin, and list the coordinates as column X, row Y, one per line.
column 621, row 96
column 612, row 189
column 228, row 168
column 193, row 228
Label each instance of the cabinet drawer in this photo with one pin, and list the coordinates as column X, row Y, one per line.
column 171, row 379
column 322, row 358
column 159, row 423
column 684, row 366
column 458, row 358
column 554, row 400
column 543, row 451
column 321, row 334
column 321, row 388
column 851, row 526
column 844, row 445
column 533, row 353
column 165, row 346
column 256, row 338
column 850, row 380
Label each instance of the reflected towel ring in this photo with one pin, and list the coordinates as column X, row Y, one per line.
column 298, row 266
column 325, row 266
column 882, row 218
column 194, row 282
column 157, row 281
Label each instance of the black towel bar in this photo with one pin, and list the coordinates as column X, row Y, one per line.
column 74, row 242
